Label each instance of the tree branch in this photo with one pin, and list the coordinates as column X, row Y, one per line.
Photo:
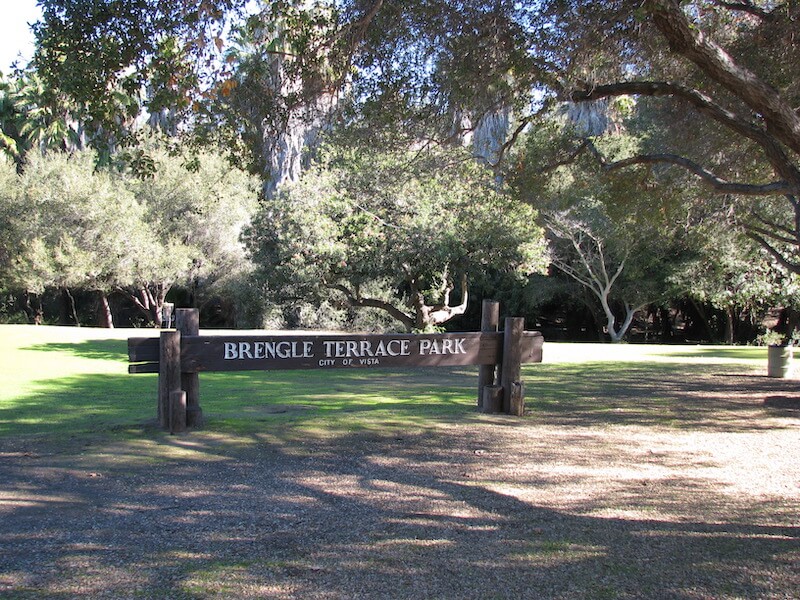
column 441, row 313
column 772, row 251
column 355, row 300
column 716, row 182
column 687, row 40
column 523, row 124
column 747, row 7
column 766, row 233
column 775, row 154
column 769, row 223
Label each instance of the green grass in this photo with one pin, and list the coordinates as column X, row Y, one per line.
column 68, row 382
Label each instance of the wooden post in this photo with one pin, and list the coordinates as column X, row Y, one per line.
column 517, row 398
column 169, row 373
column 490, row 319
column 177, row 411
column 187, row 321
column 492, row 399
column 512, row 365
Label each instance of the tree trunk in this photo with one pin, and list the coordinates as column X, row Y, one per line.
column 630, row 312
column 730, row 317
column 701, row 312
column 427, row 317
column 617, row 334
column 355, row 300
column 71, row 309
column 150, row 301
column 35, row 315
column 106, row 318
column 611, row 319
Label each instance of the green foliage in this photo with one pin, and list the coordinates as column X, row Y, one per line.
column 10, row 138
column 731, row 271
column 10, row 239
column 103, row 54
column 414, row 71
column 71, row 225
column 412, row 224
column 195, row 205
column 67, row 223
column 621, row 240
column 35, row 117
column 770, row 338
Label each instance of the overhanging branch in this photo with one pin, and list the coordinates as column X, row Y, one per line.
column 686, row 39
column 771, row 234
column 747, row 7
column 770, row 225
column 717, row 183
column 705, row 105
column 792, row 267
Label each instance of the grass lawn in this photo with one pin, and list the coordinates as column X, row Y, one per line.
column 65, row 381
column 68, row 381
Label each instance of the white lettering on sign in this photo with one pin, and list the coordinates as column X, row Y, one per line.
column 446, row 346
column 365, row 348
column 344, row 352
column 261, row 350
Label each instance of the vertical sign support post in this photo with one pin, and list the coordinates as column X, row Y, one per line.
column 490, row 319
column 169, row 374
column 187, row 321
column 513, row 389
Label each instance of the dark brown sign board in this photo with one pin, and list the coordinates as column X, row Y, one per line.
column 178, row 356
column 273, row 353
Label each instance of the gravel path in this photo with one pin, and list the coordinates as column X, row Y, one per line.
column 556, row 505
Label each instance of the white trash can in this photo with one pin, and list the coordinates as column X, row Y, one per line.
column 779, row 361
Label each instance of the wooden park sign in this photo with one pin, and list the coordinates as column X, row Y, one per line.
column 179, row 355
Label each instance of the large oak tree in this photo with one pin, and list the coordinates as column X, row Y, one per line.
column 723, row 113
column 406, row 233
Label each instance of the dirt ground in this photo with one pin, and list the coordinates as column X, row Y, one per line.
column 682, row 486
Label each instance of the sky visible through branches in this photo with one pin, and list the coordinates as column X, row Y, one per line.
column 15, row 34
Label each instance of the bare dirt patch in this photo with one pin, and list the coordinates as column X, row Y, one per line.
column 647, row 485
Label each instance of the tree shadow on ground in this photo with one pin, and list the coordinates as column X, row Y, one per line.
column 716, row 397
column 361, row 515
column 93, row 349
column 441, row 503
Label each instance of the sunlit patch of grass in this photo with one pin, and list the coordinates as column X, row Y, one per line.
column 564, row 353
column 549, row 551
column 69, row 382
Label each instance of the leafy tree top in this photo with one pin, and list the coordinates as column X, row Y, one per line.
column 415, row 224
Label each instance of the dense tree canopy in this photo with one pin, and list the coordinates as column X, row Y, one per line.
column 439, row 67
column 725, row 112
column 400, row 232
column 71, row 227
column 703, row 115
